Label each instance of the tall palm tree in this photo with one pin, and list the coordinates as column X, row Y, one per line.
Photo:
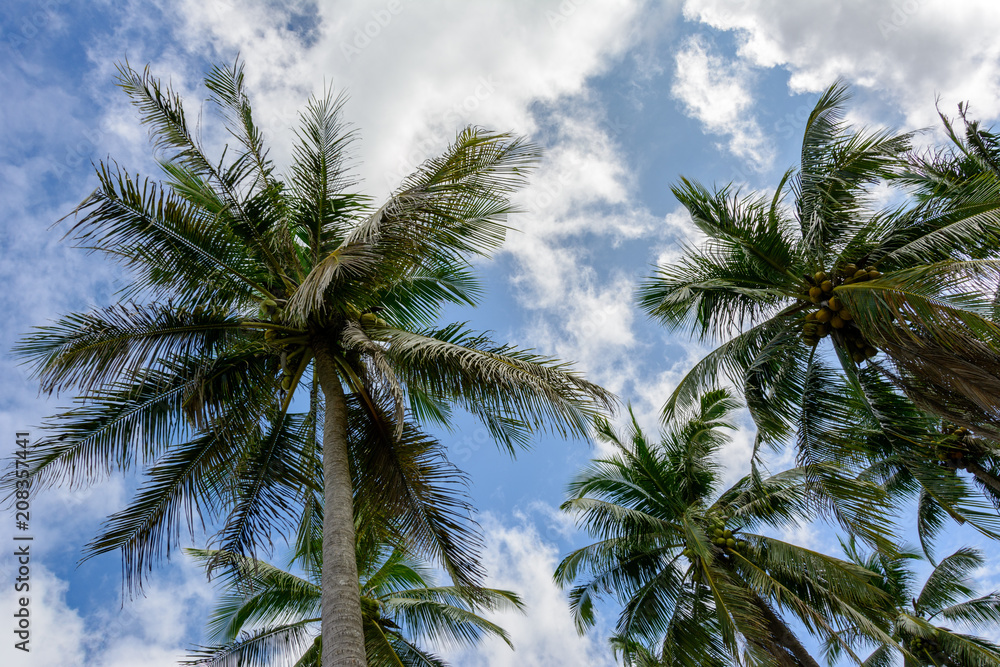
column 909, row 290
column 248, row 290
column 696, row 579
column 947, row 596
column 268, row 615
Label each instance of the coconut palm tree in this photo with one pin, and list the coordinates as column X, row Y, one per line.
column 268, row 615
column 908, row 290
column 252, row 291
column 947, row 596
column 697, row 580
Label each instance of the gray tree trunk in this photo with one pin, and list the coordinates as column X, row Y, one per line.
column 343, row 636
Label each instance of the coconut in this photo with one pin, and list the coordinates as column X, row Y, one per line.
column 731, row 543
column 810, row 316
column 824, row 315
column 819, row 277
column 834, row 304
column 874, row 275
column 845, row 314
column 827, row 286
column 286, row 382
column 860, row 274
column 858, row 356
column 870, row 352
column 836, row 322
column 815, row 293
column 822, row 330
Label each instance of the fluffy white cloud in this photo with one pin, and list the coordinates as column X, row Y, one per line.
column 906, row 51
column 519, row 559
column 149, row 630
column 717, row 93
column 416, row 71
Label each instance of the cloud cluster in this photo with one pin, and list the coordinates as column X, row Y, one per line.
column 718, row 93
column 519, row 559
column 906, row 51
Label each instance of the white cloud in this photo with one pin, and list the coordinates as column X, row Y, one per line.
column 717, row 93
column 906, row 52
column 150, row 630
column 518, row 559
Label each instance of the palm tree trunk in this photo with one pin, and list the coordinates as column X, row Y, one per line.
column 343, row 637
column 784, row 637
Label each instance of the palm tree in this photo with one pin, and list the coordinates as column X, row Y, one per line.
column 908, row 292
column 270, row 616
column 698, row 584
column 911, row 287
column 249, row 290
column 947, row 596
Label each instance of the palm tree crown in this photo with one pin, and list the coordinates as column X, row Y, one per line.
column 917, row 613
column 699, row 584
column 267, row 615
column 905, row 296
column 913, row 282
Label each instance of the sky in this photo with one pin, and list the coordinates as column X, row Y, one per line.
column 624, row 96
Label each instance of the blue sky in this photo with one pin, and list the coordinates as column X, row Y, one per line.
column 624, row 95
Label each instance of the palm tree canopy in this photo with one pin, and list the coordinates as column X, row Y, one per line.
column 920, row 614
column 239, row 278
column 696, row 578
column 267, row 615
column 908, row 290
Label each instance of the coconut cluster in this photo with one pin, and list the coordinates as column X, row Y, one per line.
column 719, row 535
column 918, row 645
column 833, row 314
column 958, row 447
